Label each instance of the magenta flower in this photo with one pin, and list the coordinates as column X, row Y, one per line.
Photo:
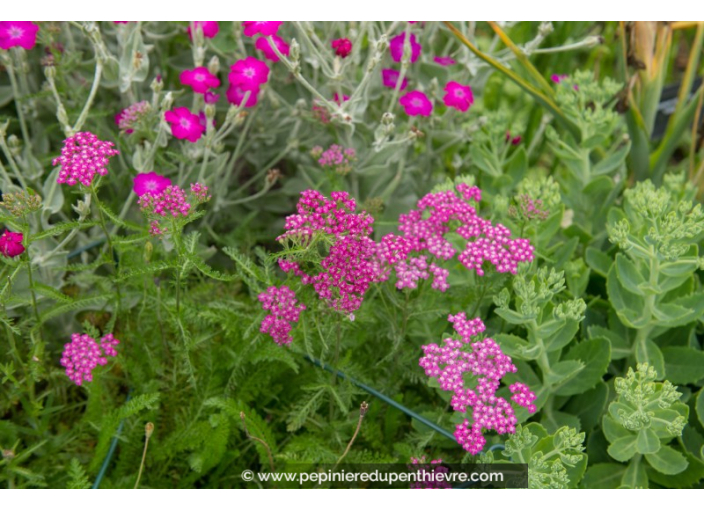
column 210, row 28
column 266, row 28
column 211, row 97
column 283, row 310
column 263, row 45
column 416, row 103
column 184, row 124
column 349, row 268
column 249, row 73
column 458, row 96
column 82, row 156
column 83, row 354
column 444, row 61
column 18, row 33
column 199, row 79
column 557, row 78
column 11, row 244
column 336, row 98
column 515, row 140
column 396, row 47
column 486, row 364
column 173, row 200
column 235, row 95
column 128, row 118
column 342, row 47
column 151, row 183
column 389, row 78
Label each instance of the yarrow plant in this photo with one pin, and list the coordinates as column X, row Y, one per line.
column 128, row 119
column 283, row 310
column 485, row 361
column 424, row 232
column 83, row 354
column 335, row 158
column 82, row 157
column 172, row 202
column 349, row 267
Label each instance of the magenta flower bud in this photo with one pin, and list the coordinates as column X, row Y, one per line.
column 11, row 244
column 342, row 47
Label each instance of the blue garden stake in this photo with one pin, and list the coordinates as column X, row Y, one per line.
column 437, row 428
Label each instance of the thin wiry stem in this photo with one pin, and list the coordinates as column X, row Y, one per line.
column 148, row 430
column 258, row 440
column 362, row 411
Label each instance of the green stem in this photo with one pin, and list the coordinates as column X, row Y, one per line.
column 108, row 242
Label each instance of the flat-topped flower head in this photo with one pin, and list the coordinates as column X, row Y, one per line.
column 199, row 79
column 11, row 244
column 342, row 47
column 22, row 34
column 349, row 266
column 249, row 73
column 263, row 45
column 83, row 354
column 283, row 310
column 128, row 118
column 210, row 28
column 416, row 103
column 184, row 124
column 389, row 78
column 82, row 156
column 444, row 61
column 266, row 28
column 172, row 202
column 396, row 47
column 150, row 183
column 486, row 365
column 236, row 95
column 458, row 96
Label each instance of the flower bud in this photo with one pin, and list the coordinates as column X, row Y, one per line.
column 214, row 65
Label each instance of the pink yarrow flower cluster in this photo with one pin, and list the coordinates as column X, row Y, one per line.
column 284, row 310
column 128, row 118
column 336, row 158
column 82, row 156
column 173, row 201
column 22, row 34
column 430, row 472
column 410, row 254
column 350, row 266
column 485, row 362
column 83, row 354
